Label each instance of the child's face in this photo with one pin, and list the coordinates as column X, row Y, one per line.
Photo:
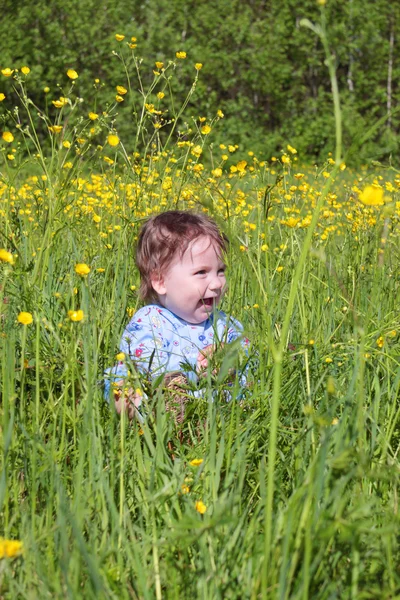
column 193, row 285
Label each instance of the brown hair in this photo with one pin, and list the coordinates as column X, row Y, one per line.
column 162, row 236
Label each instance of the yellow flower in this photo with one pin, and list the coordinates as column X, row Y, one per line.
column 198, row 66
column 119, row 98
column 121, row 90
column 119, row 37
column 291, row 149
column 216, row 172
column 7, row 72
column 220, row 114
column 82, row 269
column 160, row 95
column 120, row 356
column 181, row 55
column 8, row 137
column 185, row 488
column 72, row 74
column 196, row 462
column 10, row 156
column 328, row 360
column 285, row 159
column 10, row 548
column 55, row 128
column 6, row 257
column 113, row 139
column 96, row 218
column 75, row 315
column 25, row 70
column 159, row 64
column 66, row 144
column 25, row 318
column 46, row 89
column 60, row 103
column 2, row 97
column 380, row 342
column 205, row 130
column 93, row 116
column 200, row 507
column 372, row 195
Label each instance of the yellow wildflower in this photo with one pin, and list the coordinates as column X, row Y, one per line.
column 82, row 269
column 216, row 172
column 205, row 130
column 200, row 507
column 93, row 116
column 25, row 70
column 291, row 149
column 113, row 139
column 8, row 137
column 372, row 195
column 25, row 318
column 60, row 103
column 72, row 74
column 2, row 97
column 10, row 548
column 380, row 342
column 121, row 90
column 7, row 72
column 185, row 488
column 6, row 257
column 75, row 315
column 159, row 64
column 220, row 114
column 180, row 55
column 160, row 95
column 119, row 37
column 120, row 356
column 119, row 98
column 196, row 462
column 198, row 66
column 55, row 128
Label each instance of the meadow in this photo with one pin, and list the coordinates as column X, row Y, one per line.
column 289, row 492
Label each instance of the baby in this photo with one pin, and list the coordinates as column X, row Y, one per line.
column 180, row 257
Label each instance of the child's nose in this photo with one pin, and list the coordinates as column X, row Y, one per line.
column 217, row 283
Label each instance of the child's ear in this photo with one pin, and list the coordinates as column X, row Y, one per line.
column 157, row 283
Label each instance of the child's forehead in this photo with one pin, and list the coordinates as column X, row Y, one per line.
column 200, row 248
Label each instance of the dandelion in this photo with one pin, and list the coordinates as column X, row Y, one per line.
column 25, row 318
column 200, row 507
column 196, row 462
column 113, row 139
column 72, row 74
column 25, row 70
column 119, row 37
column 6, row 257
column 180, row 55
column 8, row 137
column 121, row 90
column 82, row 269
column 7, row 72
column 2, row 97
column 10, row 548
column 75, row 315
column 206, row 129
column 93, row 116
column 372, row 195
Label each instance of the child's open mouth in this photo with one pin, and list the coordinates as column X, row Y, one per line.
column 208, row 302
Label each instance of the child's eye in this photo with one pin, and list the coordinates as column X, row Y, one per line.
column 221, row 271
column 201, row 272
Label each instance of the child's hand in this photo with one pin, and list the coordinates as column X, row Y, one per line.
column 126, row 400
column 203, row 358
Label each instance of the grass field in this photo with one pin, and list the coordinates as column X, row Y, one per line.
column 291, row 492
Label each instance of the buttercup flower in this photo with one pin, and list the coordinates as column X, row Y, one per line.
column 113, row 139
column 2, row 97
column 198, row 66
column 10, row 548
column 196, row 462
column 72, row 74
column 82, row 269
column 206, row 129
column 93, row 116
column 60, row 103
column 6, row 257
column 181, row 55
column 119, row 37
column 25, row 70
column 200, row 507
column 159, row 64
column 7, row 72
column 372, row 195
column 121, row 90
column 8, row 137
column 75, row 315
column 55, row 128
column 25, row 318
